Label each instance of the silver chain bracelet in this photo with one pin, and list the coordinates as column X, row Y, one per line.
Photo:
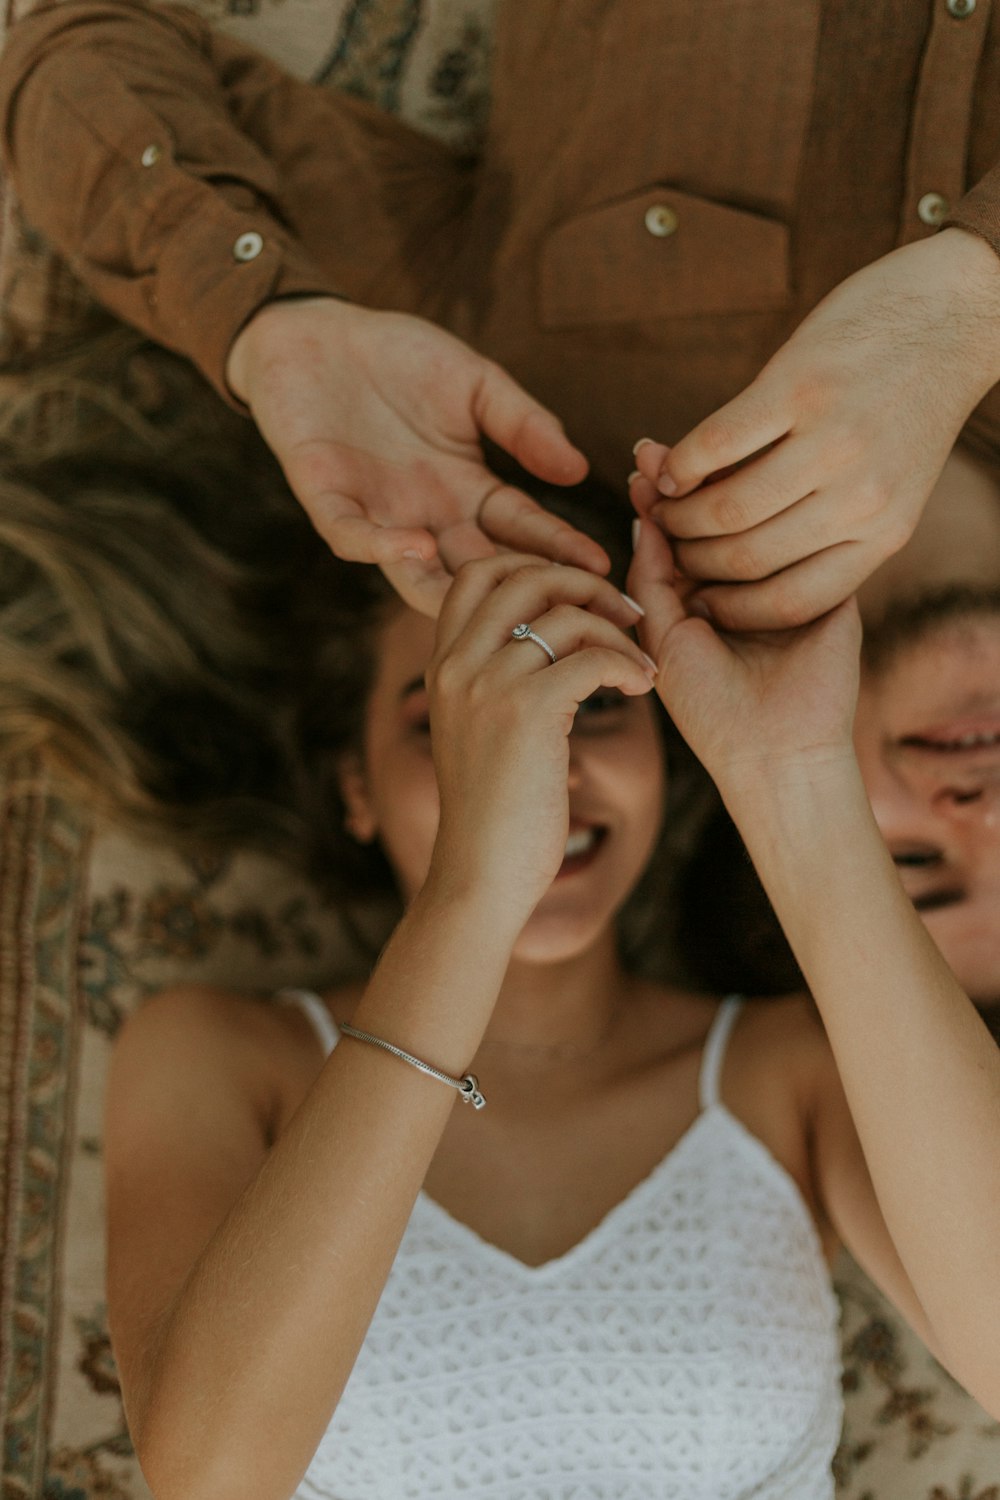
column 468, row 1086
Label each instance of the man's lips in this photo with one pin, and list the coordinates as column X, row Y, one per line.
column 955, row 762
column 967, row 736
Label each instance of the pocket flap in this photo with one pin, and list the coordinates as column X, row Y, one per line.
column 662, row 253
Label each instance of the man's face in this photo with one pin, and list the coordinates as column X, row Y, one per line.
column 928, row 742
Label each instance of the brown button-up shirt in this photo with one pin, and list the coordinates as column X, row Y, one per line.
column 665, row 189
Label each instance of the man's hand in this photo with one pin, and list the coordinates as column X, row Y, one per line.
column 785, row 500
column 757, row 709
column 376, row 419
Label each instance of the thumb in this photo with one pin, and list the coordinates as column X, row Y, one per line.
column 752, row 422
column 505, row 412
column 651, row 582
column 421, row 585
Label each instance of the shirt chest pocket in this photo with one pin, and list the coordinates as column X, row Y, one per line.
column 661, row 253
column 681, row 170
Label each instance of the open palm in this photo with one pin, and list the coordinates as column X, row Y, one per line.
column 377, row 420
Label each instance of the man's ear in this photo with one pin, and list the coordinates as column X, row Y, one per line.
column 359, row 816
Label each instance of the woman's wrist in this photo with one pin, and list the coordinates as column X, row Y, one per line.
column 485, row 861
column 760, row 792
column 472, row 895
column 812, row 837
column 435, row 987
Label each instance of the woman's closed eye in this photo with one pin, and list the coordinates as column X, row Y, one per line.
column 601, row 710
column 416, row 708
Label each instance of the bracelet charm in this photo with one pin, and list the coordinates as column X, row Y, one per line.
column 470, row 1091
column 467, row 1086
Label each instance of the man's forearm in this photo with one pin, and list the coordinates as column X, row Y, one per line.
column 189, row 180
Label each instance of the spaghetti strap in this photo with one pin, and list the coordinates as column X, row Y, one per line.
column 323, row 1023
column 714, row 1050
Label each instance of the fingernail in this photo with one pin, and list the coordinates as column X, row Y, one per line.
column 666, row 485
column 651, row 664
column 412, row 552
column 636, row 532
column 639, row 444
column 635, row 474
column 637, row 607
column 697, row 606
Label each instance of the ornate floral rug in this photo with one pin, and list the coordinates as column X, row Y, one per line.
column 90, row 924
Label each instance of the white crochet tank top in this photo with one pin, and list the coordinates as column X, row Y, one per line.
column 686, row 1349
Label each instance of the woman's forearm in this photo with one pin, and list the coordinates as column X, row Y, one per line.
column 920, row 1070
column 253, row 1354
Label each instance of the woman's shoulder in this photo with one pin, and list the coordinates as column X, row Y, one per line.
column 785, row 1032
column 192, row 1016
column 783, row 1074
column 201, row 1031
column 794, row 1014
column 264, row 1049
column 777, row 1061
column 789, row 1022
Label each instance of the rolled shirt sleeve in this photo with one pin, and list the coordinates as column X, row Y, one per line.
column 119, row 127
column 979, row 210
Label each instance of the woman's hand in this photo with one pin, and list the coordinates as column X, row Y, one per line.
column 376, row 419
column 786, row 499
column 501, row 715
column 773, row 706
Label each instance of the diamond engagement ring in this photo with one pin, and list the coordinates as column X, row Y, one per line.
column 525, row 633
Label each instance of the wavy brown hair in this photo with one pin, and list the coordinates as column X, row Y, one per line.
column 181, row 650
column 151, row 563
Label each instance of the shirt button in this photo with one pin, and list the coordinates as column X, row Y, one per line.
column 248, row 246
column 933, row 208
column 151, row 156
column 960, row 9
column 661, row 220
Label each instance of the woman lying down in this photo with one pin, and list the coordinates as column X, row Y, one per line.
column 510, row 1219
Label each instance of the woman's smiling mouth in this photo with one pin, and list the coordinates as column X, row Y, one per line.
column 582, row 846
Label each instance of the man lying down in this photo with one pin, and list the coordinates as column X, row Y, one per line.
column 928, row 722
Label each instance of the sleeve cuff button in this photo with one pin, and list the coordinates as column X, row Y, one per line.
column 151, row 156
column 248, row 246
column 933, row 209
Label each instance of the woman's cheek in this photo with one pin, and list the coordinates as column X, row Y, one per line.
column 408, row 826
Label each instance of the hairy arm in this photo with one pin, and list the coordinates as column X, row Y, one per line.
column 781, row 503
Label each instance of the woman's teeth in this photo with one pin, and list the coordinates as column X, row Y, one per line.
column 580, row 842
